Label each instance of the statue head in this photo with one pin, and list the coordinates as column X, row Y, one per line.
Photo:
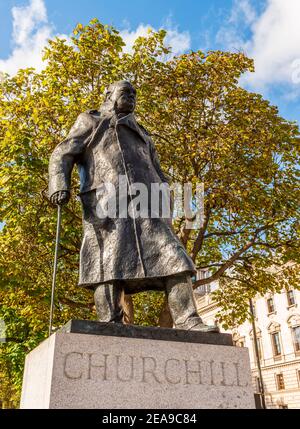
column 120, row 97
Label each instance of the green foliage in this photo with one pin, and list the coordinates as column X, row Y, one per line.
column 206, row 128
column 148, row 306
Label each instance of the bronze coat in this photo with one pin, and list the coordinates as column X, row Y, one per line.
column 140, row 251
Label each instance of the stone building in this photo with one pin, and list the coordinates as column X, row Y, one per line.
column 278, row 336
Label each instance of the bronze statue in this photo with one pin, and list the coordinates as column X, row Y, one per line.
column 122, row 254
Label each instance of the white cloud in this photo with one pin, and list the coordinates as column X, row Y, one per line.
column 274, row 41
column 31, row 31
column 230, row 35
column 129, row 36
column 179, row 41
column 26, row 18
column 275, row 44
column 242, row 9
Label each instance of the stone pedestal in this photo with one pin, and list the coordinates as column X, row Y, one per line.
column 98, row 365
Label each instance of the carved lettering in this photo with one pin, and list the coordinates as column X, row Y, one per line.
column 207, row 377
column 146, row 369
column 167, row 374
column 237, row 369
column 223, row 379
column 150, row 370
column 92, row 365
column 67, row 371
column 192, row 371
column 220, row 374
column 118, row 365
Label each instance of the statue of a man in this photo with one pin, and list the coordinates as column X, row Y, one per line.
column 122, row 254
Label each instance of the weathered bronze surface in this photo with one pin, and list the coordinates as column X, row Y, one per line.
column 122, row 254
column 92, row 327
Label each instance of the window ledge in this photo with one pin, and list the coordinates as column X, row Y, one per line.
column 272, row 312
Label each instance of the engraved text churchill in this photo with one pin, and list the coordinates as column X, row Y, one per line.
column 149, row 369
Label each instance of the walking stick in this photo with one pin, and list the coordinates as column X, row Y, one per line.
column 59, row 207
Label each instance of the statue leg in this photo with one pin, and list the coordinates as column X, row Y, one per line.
column 108, row 301
column 182, row 304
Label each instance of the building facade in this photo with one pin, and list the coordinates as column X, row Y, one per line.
column 277, row 319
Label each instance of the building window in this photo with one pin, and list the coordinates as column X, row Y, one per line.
column 270, row 305
column 202, row 274
column 202, row 289
column 290, row 297
column 296, row 338
column 276, row 344
column 280, row 382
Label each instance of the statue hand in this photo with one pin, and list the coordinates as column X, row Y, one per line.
column 60, row 198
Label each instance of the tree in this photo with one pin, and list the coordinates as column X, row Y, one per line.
column 206, row 129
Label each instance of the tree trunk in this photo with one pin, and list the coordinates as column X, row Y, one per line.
column 128, row 310
column 165, row 319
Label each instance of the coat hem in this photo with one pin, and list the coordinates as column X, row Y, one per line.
column 140, row 284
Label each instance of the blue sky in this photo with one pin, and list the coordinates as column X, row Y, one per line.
column 266, row 30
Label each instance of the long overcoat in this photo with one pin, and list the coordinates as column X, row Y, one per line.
column 140, row 250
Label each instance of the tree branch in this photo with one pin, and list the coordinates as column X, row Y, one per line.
column 224, row 233
column 231, row 260
column 199, row 240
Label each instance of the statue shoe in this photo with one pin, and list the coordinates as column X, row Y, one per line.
column 196, row 324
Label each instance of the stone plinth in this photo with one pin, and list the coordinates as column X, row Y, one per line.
column 96, row 365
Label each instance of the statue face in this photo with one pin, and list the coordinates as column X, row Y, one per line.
column 124, row 98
